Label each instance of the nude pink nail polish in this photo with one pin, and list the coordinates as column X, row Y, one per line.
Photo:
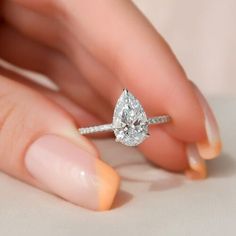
column 198, row 169
column 71, row 172
column 212, row 145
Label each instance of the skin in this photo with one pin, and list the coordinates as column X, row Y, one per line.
column 91, row 50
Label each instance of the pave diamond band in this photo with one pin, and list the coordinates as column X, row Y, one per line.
column 95, row 129
column 109, row 127
column 130, row 122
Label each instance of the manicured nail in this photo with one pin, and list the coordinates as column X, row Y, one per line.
column 211, row 146
column 198, row 169
column 72, row 173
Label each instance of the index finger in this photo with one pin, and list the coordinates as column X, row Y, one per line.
column 119, row 36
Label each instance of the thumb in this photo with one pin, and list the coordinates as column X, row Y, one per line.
column 39, row 144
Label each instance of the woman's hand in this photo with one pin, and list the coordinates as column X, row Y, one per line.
column 92, row 50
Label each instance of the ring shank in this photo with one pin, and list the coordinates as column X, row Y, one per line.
column 159, row 119
column 96, row 129
column 109, row 127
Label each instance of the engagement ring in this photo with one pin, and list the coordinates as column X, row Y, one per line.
column 130, row 122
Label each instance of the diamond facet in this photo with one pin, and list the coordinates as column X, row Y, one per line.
column 130, row 123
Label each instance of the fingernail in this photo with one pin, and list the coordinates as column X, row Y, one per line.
column 211, row 146
column 198, row 169
column 71, row 172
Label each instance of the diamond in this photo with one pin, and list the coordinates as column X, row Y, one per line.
column 130, row 123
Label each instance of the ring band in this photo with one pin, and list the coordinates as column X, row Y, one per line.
column 130, row 123
column 109, row 127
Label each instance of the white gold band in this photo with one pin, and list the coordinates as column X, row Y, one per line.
column 109, row 127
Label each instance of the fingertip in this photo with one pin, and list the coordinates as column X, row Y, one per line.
column 197, row 166
column 110, row 182
column 71, row 172
column 210, row 146
column 209, row 150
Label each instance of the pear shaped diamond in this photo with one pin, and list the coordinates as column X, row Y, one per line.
column 130, row 123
